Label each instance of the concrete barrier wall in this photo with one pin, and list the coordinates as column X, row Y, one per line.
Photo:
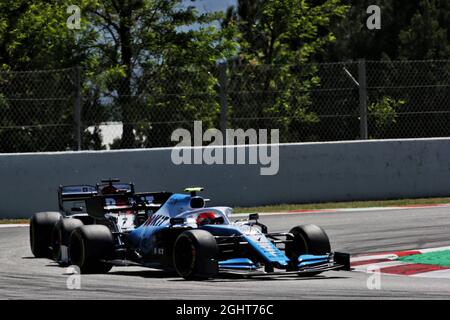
column 308, row 172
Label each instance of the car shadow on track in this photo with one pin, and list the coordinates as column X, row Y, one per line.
column 50, row 263
column 172, row 276
column 157, row 274
column 225, row 278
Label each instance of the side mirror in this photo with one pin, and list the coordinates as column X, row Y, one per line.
column 253, row 216
column 197, row 202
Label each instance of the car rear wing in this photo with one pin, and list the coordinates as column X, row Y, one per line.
column 75, row 193
column 99, row 205
column 154, row 198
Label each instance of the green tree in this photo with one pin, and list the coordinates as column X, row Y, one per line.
column 278, row 39
column 428, row 34
column 138, row 58
column 34, row 36
column 383, row 115
column 138, row 37
column 410, row 30
column 285, row 31
column 415, row 29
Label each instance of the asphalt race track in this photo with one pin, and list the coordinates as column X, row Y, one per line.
column 23, row 277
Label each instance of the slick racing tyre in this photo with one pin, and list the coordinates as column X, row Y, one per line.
column 41, row 227
column 308, row 239
column 90, row 246
column 195, row 255
column 61, row 238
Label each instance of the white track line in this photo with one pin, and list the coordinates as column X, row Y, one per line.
column 434, row 249
column 371, row 266
column 331, row 210
column 389, row 256
column 441, row 274
column 13, row 225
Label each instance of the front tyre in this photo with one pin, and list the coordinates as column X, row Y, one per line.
column 90, row 246
column 307, row 239
column 41, row 227
column 195, row 255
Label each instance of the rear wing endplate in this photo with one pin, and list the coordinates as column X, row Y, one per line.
column 75, row 193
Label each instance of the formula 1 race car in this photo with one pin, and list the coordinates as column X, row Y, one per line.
column 50, row 231
column 178, row 233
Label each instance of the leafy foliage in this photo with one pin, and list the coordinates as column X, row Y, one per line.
column 384, row 112
column 151, row 47
column 153, row 66
column 415, row 29
column 278, row 39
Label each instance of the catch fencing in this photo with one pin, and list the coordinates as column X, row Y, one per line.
column 69, row 109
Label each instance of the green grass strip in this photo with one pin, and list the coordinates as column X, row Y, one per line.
column 14, row 221
column 438, row 258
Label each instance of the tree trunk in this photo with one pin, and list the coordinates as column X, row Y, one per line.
column 124, row 90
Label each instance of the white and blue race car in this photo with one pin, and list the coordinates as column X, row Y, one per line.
column 182, row 234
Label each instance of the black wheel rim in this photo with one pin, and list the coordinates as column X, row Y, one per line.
column 184, row 257
column 56, row 244
column 76, row 251
column 297, row 247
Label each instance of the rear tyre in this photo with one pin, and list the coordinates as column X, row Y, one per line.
column 41, row 227
column 90, row 246
column 307, row 239
column 195, row 255
column 61, row 239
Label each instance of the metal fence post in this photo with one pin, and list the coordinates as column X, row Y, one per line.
column 77, row 109
column 362, row 99
column 223, row 96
